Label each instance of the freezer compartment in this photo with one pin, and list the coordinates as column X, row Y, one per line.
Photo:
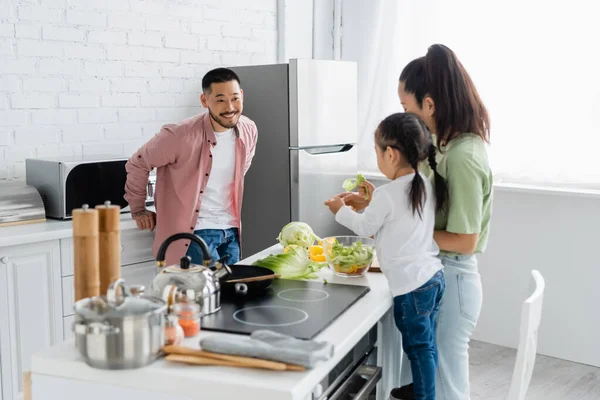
column 317, row 174
column 266, row 203
column 323, row 102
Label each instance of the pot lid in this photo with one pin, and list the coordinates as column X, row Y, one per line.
column 115, row 305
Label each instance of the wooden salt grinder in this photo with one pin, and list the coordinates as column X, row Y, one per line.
column 110, row 244
column 86, row 259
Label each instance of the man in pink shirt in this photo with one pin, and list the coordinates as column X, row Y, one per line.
column 201, row 163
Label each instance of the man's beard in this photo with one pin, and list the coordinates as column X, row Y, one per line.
column 223, row 123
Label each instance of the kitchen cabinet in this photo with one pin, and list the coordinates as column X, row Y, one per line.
column 68, row 327
column 138, row 268
column 140, row 274
column 30, row 309
column 136, row 247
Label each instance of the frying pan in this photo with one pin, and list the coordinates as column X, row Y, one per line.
column 247, row 289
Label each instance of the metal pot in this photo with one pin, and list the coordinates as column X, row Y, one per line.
column 120, row 330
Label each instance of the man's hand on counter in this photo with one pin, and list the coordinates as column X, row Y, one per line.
column 145, row 219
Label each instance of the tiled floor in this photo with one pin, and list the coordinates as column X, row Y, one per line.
column 492, row 367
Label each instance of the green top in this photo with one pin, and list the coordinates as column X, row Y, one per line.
column 465, row 167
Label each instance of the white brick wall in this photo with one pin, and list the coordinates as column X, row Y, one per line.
column 91, row 77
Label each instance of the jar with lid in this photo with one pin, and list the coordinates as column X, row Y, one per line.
column 173, row 331
column 189, row 315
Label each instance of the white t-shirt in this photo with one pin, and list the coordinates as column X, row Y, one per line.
column 215, row 204
column 404, row 243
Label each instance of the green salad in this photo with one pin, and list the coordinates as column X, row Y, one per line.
column 349, row 259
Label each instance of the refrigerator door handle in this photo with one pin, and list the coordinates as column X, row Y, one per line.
column 318, row 150
column 294, row 164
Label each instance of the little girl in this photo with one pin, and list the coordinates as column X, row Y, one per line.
column 401, row 216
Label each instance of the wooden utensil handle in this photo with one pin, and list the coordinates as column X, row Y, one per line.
column 238, row 360
column 255, row 279
column 212, row 361
column 195, row 360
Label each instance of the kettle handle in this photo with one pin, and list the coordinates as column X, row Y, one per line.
column 160, row 255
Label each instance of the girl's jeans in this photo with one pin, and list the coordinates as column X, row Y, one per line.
column 415, row 315
column 456, row 320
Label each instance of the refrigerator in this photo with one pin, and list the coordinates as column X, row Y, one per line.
column 306, row 115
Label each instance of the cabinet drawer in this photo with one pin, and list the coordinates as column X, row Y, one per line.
column 68, row 294
column 68, row 327
column 134, row 274
column 140, row 274
column 136, row 247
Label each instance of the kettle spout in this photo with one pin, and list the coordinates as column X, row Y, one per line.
column 221, row 270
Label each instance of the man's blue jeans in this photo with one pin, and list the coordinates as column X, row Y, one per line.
column 223, row 245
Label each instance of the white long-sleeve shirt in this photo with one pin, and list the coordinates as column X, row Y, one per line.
column 406, row 251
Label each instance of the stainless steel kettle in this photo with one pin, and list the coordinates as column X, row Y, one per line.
column 187, row 281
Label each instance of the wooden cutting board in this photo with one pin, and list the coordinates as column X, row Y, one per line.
column 375, row 265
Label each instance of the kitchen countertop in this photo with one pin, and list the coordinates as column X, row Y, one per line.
column 224, row 383
column 49, row 230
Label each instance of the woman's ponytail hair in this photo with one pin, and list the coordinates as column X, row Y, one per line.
column 458, row 106
column 441, row 188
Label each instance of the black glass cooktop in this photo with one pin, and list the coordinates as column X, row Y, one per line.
column 296, row 308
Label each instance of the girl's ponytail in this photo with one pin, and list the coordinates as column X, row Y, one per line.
column 417, row 186
column 408, row 134
column 417, row 193
column 441, row 189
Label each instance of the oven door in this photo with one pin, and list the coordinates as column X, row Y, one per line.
column 357, row 382
column 360, row 385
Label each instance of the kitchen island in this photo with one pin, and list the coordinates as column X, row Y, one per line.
column 60, row 373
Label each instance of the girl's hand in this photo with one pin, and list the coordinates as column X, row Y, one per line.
column 335, row 204
column 366, row 190
column 359, row 201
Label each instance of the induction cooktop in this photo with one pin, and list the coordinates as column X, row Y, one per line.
column 297, row 308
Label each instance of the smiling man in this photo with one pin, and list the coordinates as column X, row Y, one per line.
column 201, row 163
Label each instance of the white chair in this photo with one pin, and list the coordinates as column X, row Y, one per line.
column 531, row 315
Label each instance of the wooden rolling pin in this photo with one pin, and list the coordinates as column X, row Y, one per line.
column 86, row 259
column 201, row 357
column 109, row 239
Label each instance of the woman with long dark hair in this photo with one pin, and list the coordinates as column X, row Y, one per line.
column 439, row 90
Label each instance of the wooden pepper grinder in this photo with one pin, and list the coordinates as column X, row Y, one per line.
column 110, row 244
column 86, row 257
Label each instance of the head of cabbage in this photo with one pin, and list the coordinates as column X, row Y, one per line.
column 298, row 233
column 294, row 263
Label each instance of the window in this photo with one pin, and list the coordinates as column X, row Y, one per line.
column 535, row 64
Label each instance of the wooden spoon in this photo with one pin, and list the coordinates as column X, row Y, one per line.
column 201, row 357
column 255, row 279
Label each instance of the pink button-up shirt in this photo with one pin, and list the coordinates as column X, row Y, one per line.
column 181, row 154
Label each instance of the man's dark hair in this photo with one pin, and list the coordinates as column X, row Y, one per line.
column 218, row 75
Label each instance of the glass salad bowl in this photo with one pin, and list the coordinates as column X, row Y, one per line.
column 349, row 256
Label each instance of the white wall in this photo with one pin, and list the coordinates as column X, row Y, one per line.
column 559, row 235
column 295, row 33
column 101, row 76
column 531, row 229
